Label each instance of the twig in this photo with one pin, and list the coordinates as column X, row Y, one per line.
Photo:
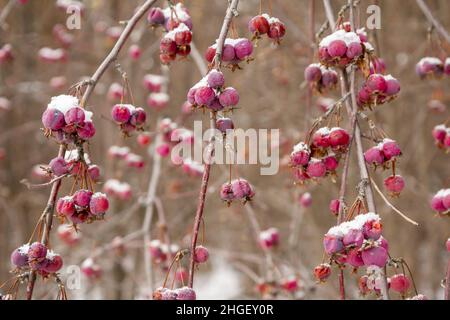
column 198, row 59
column 42, row 185
column 231, row 12
column 62, row 149
column 437, row 25
column 390, row 205
column 5, row 12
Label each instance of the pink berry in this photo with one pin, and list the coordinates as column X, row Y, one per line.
column 391, row 149
column 354, row 50
column 258, row 25
column 134, row 52
column 99, row 203
column 437, row 203
column 82, row 198
column 215, row 79
column 338, row 138
column 201, row 254
column 322, row 272
column 229, row 97
column 186, row 108
column 400, row 283
column 242, row 189
column 394, row 184
column 228, row 53
column 243, row 49
column 54, row 264
column 376, row 83
column 138, row 117
column 168, row 46
column 305, row 200
column 321, row 139
column 337, row 48
column 316, row 169
column 313, row 73
column 329, row 78
column 392, row 86
column 269, row 238
column 372, row 229
column 447, row 244
column 144, row 139
column 224, row 124
column 277, row 30
column 324, row 56
column 183, row 38
column 354, row 258
column 181, row 275
column 86, row 130
column 156, row 17
column 376, row 256
column 94, row 172
column 300, row 158
column 446, row 200
column 37, row 251
column 210, row 54
column 185, row 293
column 121, row 113
column 439, row 133
column 19, row 257
column 58, row 166
column 290, row 285
column 353, row 237
column 334, row 206
column 374, row 156
column 204, row 96
column 65, row 206
column 332, row 244
column 226, row 193
column 74, row 116
column 163, row 150
column 330, row 163
column 53, row 119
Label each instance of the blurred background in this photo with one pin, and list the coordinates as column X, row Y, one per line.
column 273, row 95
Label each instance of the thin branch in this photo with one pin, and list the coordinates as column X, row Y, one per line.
column 231, row 12
column 437, row 25
column 390, row 205
column 5, row 12
column 198, row 59
column 42, row 185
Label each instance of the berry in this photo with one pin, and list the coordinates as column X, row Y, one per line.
column 144, row 139
column 163, row 150
column 354, row 238
column 156, row 17
column 400, row 283
column 242, row 189
column 322, row 272
column 332, row 244
column 138, row 117
column 321, row 139
column 277, row 30
column 54, row 264
column 228, row 53
column 121, row 113
column 338, row 137
column 258, row 25
column 376, row 256
column 374, row 156
column 337, row 48
column 74, row 116
column 376, row 83
column 58, row 166
column 316, row 168
column 229, row 97
column 185, row 293
column 331, row 163
column 183, row 38
column 334, row 206
column 290, row 285
column 201, row 254
column 243, row 49
column 390, row 149
column 167, row 46
column 313, row 73
column 65, row 206
column 305, row 200
column 354, row 258
column 53, row 119
column 99, row 204
column 392, row 86
column 269, row 238
column 19, row 257
column 94, row 172
column 224, row 124
column 372, row 229
column 204, row 96
column 226, row 193
column 329, row 78
column 37, row 251
column 354, row 50
column 210, row 54
column 215, row 79
column 82, row 198
column 86, row 131
column 394, row 184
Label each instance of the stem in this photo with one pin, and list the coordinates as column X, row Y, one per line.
column 62, row 149
column 426, row 11
column 447, row 282
column 329, row 13
column 5, row 12
column 231, row 11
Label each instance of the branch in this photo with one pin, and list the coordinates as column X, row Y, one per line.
column 231, row 12
column 426, row 11
column 48, row 212
column 5, row 12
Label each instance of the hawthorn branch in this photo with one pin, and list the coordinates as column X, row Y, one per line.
column 231, row 12
column 436, row 24
column 112, row 56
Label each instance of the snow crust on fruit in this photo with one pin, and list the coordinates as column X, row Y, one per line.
column 159, row 97
column 181, row 28
column 355, row 224
column 116, row 185
column 323, row 131
column 178, row 11
column 430, row 60
column 347, row 37
column 23, row 249
column 194, row 165
column 73, row 155
column 154, row 78
column 63, row 103
column 301, row 147
column 119, row 151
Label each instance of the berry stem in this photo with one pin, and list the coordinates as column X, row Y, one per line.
column 231, row 12
column 436, row 24
column 447, row 282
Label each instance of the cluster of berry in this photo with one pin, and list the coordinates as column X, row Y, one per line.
column 441, row 134
column 132, row 160
column 321, row 78
column 37, row 257
column 378, row 89
column 265, row 24
column 239, row 189
column 184, row 293
column 83, row 206
column 129, row 117
column 269, row 238
column 210, row 92
column 234, row 52
column 432, row 67
column 119, row 190
column 441, row 202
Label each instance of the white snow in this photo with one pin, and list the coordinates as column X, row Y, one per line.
column 347, row 37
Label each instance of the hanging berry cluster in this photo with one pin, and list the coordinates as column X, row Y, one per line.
column 441, row 135
column 36, row 257
column 237, row 190
column 321, row 78
column 441, row 202
column 234, row 52
column 129, row 118
column 320, row 158
column 378, row 89
column 432, row 68
column 265, row 24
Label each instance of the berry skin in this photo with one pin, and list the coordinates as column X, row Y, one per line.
column 353, row 238
column 374, row 156
column 156, row 17
column 53, row 119
column 229, row 97
column 334, row 206
column 391, row 150
column 392, row 87
column 300, row 158
column 224, row 124
column 181, row 275
column 337, row 48
column 216, row 79
column 277, row 30
column 305, row 200
column 329, row 78
column 332, row 244
column 99, row 203
column 354, row 50
column 144, row 139
column 210, row 54
column 316, row 169
column 163, row 150
column 65, row 206
column 437, row 203
column 82, row 198
column 376, row 256
column 58, row 166
column 354, row 258
column 74, row 116
column 400, row 283
column 37, row 251
column 376, row 83
column 226, row 193
column 138, row 117
column 321, row 139
column 313, row 73
column 290, row 285
column 372, row 229
column 448, row 245
column 338, row 137
column 86, row 131
column 185, row 293
column 242, row 189
column 228, row 53
column 394, row 184
column 243, row 49
column 322, row 272
column 94, row 172
column 183, row 38
column 167, row 46
column 439, row 133
column 204, row 96
column 54, row 264
column 121, row 113
column 330, row 163
column 258, row 25
column 19, row 257
column 201, row 254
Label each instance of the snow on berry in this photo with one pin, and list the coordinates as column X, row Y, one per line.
column 117, row 189
column 269, row 238
column 378, row 89
column 430, row 67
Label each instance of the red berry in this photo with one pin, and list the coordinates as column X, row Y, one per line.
column 201, row 254
column 258, row 25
